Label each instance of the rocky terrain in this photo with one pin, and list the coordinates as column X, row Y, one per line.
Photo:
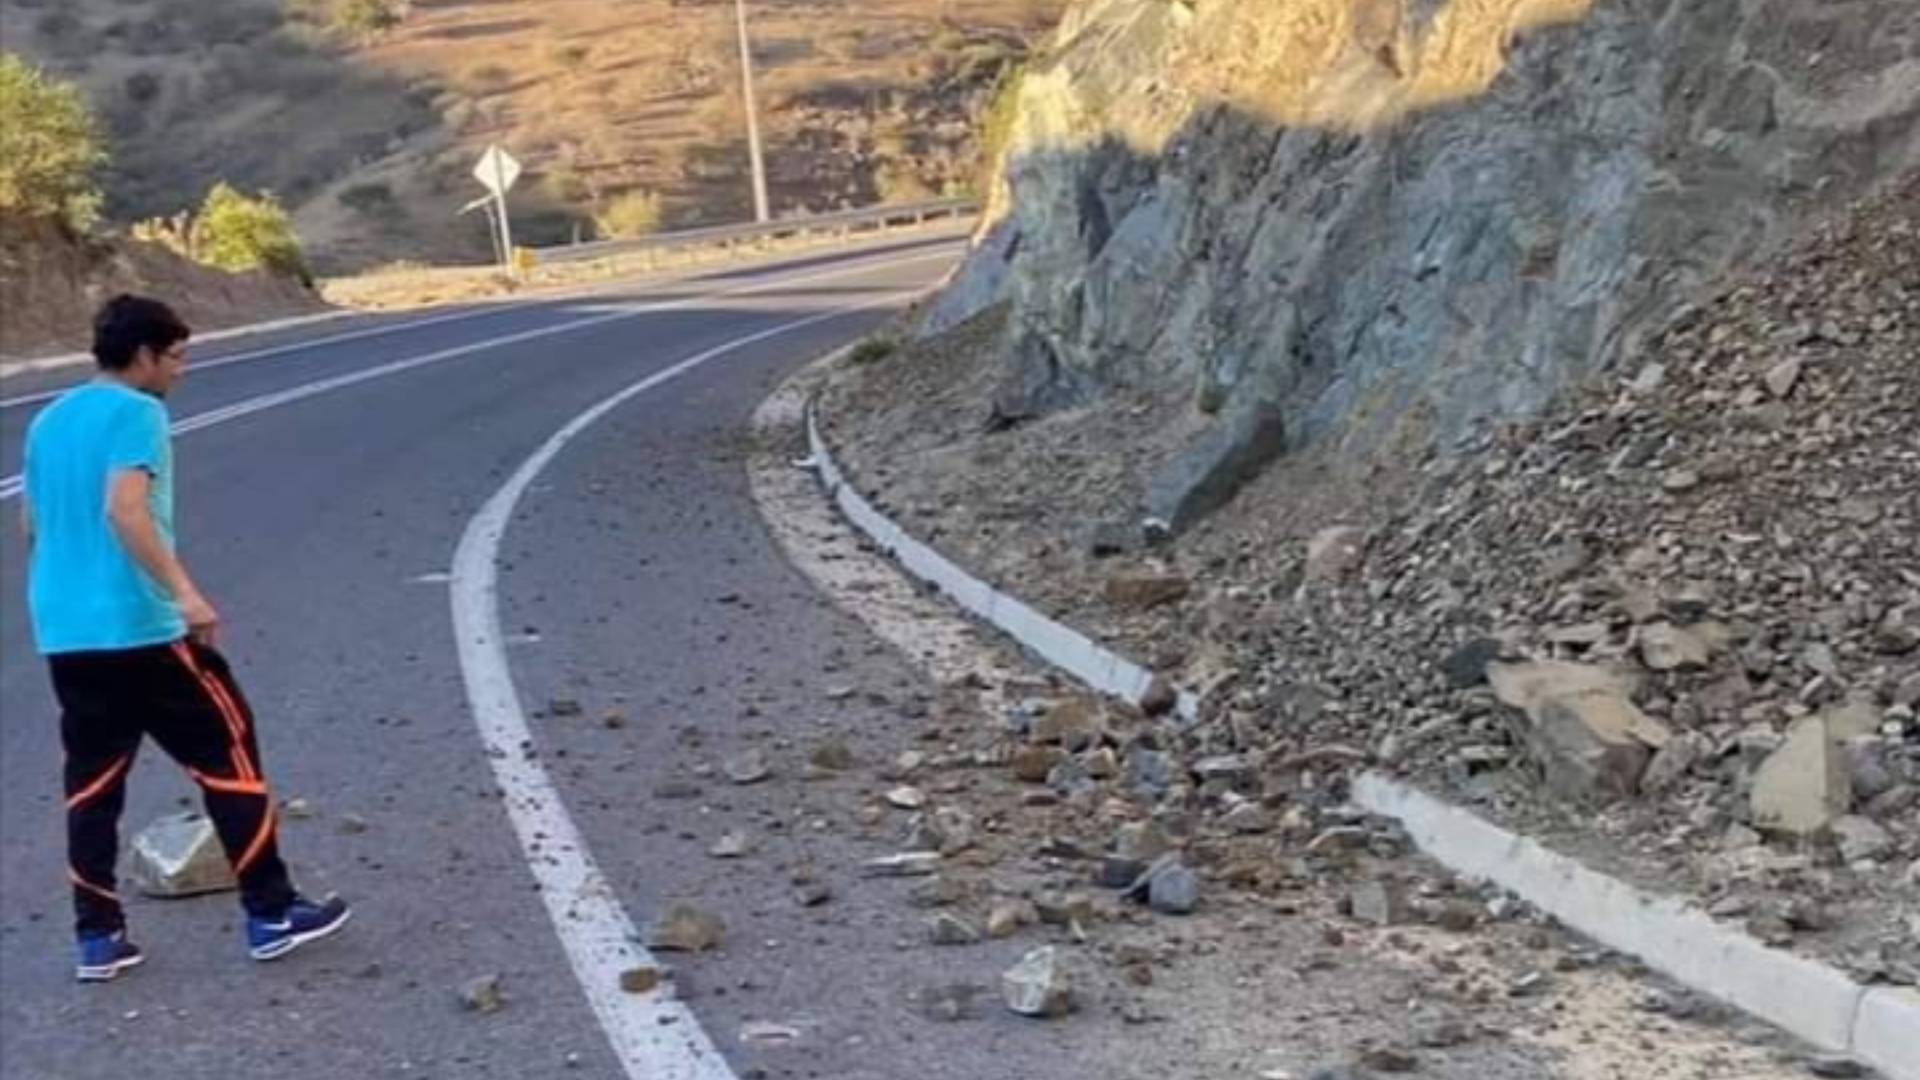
column 1671, row 624
column 1068, row 860
column 1363, row 224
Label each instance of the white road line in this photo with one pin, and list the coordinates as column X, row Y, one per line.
column 279, row 350
column 474, row 311
column 10, row 486
column 12, row 368
column 655, row 1036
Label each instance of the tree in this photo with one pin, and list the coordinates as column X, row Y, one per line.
column 50, row 147
column 235, row 232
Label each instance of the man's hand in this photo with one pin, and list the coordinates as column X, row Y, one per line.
column 133, row 523
column 203, row 622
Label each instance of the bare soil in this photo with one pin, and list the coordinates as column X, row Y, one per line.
column 51, row 283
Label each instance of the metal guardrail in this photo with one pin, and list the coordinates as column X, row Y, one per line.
column 873, row 217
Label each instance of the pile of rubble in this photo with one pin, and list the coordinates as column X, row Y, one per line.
column 1698, row 592
column 1678, row 618
column 1070, row 816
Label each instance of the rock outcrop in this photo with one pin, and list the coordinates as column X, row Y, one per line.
column 1374, row 223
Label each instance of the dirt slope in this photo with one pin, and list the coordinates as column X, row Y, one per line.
column 51, row 283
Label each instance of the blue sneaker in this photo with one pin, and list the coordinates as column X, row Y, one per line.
column 104, row 956
column 302, row 922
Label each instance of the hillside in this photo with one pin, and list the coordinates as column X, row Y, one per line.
column 1378, row 224
column 371, row 141
column 1518, row 396
column 51, row 282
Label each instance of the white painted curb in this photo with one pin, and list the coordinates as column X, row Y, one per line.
column 1058, row 644
column 9, row 368
column 1886, row 1034
column 1817, row 1003
column 1813, row 1002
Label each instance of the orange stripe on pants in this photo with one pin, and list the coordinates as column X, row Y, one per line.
column 231, row 787
column 259, row 842
column 236, row 724
column 74, row 876
column 101, row 783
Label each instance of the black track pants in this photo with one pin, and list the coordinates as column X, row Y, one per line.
column 184, row 696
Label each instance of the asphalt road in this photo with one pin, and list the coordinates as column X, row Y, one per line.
column 421, row 536
column 322, row 512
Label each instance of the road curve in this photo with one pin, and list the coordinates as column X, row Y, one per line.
column 324, row 491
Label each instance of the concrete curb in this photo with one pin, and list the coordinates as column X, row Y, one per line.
column 1817, row 1003
column 1810, row 1000
column 1058, row 644
column 9, row 368
column 1886, row 1033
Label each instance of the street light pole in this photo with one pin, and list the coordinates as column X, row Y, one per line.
column 760, row 212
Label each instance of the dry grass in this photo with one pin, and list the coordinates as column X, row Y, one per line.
column 597, row 97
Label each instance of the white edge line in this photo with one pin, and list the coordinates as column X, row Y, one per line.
column 655, row 1036
column 10, row 486
column 1813, row 1001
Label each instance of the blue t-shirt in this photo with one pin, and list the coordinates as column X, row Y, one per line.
column 84, row 590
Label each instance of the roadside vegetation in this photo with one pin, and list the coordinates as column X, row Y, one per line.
column 51, row 153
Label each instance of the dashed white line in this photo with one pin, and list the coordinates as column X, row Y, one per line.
column 654, row 1036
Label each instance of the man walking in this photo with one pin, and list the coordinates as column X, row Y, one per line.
column 130, row 641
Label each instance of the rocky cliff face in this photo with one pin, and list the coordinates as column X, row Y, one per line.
column 1373, row 223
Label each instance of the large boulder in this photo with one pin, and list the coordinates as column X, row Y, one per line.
column 1582, row 726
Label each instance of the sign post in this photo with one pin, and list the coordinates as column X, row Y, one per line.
column 485, row 202
column 497, row 171
column 758, row 162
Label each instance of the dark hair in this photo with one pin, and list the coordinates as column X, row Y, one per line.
column 125, row 323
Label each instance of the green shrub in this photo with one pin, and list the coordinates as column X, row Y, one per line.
column 235, row 232
column 629, row 215
column 50, row 147
column 872, row 350
column 368, row 18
